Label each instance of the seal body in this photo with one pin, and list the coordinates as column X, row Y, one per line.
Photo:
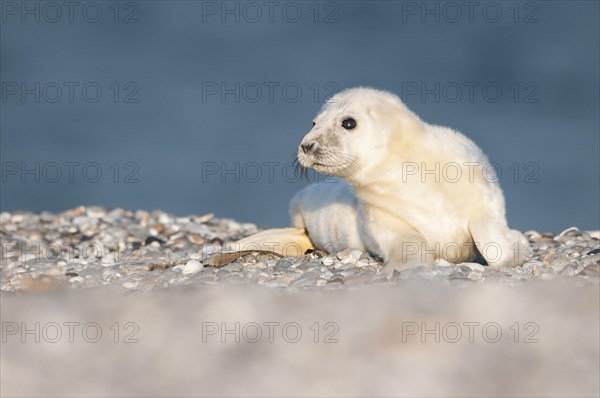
column 412, row 192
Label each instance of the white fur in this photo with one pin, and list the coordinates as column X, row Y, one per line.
column 404, row 218
column 329, row 211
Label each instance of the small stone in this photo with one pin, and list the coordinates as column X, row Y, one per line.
column 77, row 279
column 594, row 252
column 197, row 239
column 353, row 257
column 358, row 280
column 157, row 229
column 96, row 212
column 280, row 281
column 58, row 271
column 308, row 280
column 531, row 234
column 465, row 272
column 344, row 254
column 107, row 261
column 204, row 218
column 284, row 264
column 47, row 217
column 327, row 274
column 345, row 266
column 555, row 259
column 328, row 260
column 591, row 270
column 233, row 278
column 81, row 220
column 147, row 285
column 557, row 268
column 109, row 275
column 572, row 233
column 362, row 263
column 443, row 263
column 444, row 271
column 474, row 266
column 257, row 265
column 192, row 267
column 570, row 270
column 233, row 267
column 130, row 285
column 154, row 241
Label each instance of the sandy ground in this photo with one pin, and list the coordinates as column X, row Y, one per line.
column 410, row 339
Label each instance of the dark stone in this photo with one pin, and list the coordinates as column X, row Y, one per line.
column 151, row 239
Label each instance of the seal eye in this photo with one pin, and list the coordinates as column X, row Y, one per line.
column 349, row 123
column 314, row 124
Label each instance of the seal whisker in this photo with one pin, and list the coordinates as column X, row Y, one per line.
column 297, row 168
column 342, row 161
column 337, row 163
column 300, row 171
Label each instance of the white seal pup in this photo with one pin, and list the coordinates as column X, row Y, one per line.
column 413, row 192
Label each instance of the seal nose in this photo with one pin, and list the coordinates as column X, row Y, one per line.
column 306, row 148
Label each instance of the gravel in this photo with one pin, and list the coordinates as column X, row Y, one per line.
column 91, row 247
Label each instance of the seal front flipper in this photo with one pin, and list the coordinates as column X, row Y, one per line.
column 284, row 242
column 406, row 256
column 498, row 244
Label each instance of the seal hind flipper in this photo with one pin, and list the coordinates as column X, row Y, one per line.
column 283, row 242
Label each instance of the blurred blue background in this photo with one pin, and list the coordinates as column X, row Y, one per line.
column 162, row 130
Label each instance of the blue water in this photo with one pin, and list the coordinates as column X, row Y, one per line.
column 197, row 91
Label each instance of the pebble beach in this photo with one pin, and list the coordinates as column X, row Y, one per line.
column 142, row 251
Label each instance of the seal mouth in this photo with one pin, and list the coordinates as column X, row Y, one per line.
column 339, row 166
column 306, row 161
